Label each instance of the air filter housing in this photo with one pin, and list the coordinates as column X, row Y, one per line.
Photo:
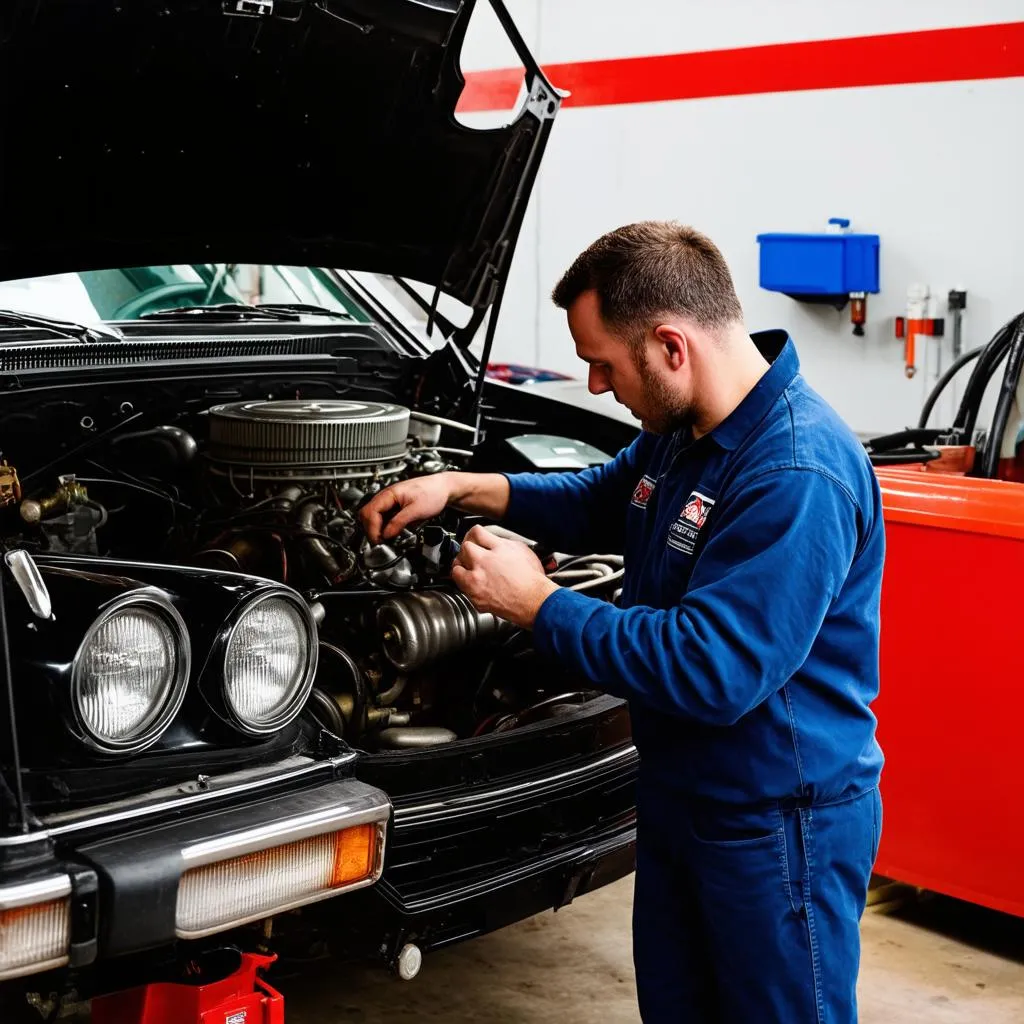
column 309, row 439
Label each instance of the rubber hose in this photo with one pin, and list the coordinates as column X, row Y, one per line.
column 1007, row 394
column 943, row 382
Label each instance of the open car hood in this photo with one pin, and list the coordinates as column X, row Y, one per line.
column 304, row 132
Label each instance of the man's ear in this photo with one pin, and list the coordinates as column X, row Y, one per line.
column 673, row 345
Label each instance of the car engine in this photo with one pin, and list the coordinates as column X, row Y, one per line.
column 272, row 488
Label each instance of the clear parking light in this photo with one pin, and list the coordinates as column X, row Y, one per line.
column 35, row 926
column 269, row 663
column 255, row 885
column 130, row 673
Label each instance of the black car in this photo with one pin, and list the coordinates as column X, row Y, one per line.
column 220, row 703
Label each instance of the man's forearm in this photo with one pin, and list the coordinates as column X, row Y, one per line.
column 485, row 494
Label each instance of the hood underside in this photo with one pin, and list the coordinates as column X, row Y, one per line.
column 304, row 132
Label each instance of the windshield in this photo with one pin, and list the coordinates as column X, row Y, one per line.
column 130, row 293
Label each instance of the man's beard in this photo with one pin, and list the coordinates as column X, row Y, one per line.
column 665, row 412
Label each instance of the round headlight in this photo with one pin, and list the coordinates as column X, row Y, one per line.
column 269, row 664
column 130, row 674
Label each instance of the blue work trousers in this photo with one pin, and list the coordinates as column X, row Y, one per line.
column 750, row 916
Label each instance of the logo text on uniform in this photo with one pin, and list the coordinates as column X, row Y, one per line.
column 683, row 533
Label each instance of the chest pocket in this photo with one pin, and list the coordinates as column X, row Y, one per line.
column 687, row 534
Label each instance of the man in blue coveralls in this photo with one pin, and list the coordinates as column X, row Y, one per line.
column 746, row 638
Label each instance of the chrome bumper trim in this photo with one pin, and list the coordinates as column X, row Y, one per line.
column 183, row 797
column 366, row 807
column 12, row 897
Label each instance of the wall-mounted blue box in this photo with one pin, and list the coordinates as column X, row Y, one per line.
column 827, row 266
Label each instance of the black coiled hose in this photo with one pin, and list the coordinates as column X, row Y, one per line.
column 1007, row 392
column 943, row 383
column 988, row 362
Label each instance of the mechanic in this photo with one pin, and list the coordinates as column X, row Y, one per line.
column 746, row 638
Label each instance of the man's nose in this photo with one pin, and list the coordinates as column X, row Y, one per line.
column 597, row 381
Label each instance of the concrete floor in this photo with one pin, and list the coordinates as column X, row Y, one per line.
column 927, row 960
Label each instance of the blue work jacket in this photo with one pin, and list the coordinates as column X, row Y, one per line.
column 746, row 637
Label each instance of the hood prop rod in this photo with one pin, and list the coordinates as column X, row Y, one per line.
column 5, row 667
column 485, row 356
column 515, row 38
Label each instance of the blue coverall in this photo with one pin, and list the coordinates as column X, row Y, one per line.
column 746, row 642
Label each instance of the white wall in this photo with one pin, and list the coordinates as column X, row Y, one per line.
column 933, row 169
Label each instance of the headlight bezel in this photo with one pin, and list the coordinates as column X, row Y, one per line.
column 300, row 697
column 157, row 602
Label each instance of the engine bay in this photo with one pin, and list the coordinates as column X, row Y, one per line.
column 272, row 487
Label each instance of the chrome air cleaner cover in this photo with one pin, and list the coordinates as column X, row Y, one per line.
column 306, row 439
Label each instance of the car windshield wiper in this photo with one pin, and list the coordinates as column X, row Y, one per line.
column 307, row 308
column 229, row 312
column 61, row 328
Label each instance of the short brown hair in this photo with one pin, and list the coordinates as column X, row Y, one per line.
column 650, row 269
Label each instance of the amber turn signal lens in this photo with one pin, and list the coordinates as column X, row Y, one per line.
column 355, row 854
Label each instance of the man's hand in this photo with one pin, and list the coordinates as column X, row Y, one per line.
column 408, row 502
column 501, row 576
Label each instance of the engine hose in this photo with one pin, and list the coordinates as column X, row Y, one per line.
column 577, row 575
column 392, row 694
column 597, row 584
column 1007, row 394
column 100, row 509
column 616, row 560
column 991, row 356
column 943, row 383
column 360, row 688
column 318, row 550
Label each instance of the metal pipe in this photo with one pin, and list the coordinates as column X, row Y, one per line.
column 449, row 451
column 441, row 421
column 416, row 737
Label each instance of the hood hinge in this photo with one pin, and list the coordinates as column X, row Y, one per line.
column 286, row 10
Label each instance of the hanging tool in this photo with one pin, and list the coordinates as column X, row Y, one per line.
column 957, row 303
column 917, row 322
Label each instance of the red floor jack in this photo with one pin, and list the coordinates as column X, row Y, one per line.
column 237, row 996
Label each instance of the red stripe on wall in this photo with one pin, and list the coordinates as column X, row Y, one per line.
column 936, row 55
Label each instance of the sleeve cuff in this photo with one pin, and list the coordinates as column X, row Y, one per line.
column 560, row 622
column 525, row 504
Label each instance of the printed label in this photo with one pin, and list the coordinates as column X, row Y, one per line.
column 643, row 492
column 683, row 533
column 237, row 1018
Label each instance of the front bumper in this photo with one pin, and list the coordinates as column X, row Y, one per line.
column 192, row 864
column 470, row 859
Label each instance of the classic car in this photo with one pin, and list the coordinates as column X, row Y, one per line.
column 228, row 720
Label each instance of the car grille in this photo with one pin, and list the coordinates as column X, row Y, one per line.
column 440, row 848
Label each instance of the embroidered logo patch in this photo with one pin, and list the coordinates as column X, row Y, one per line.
column 643, row 492
column 696, row 509
column 682, row 534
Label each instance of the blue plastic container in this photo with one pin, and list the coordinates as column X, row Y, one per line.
column 829, row 263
